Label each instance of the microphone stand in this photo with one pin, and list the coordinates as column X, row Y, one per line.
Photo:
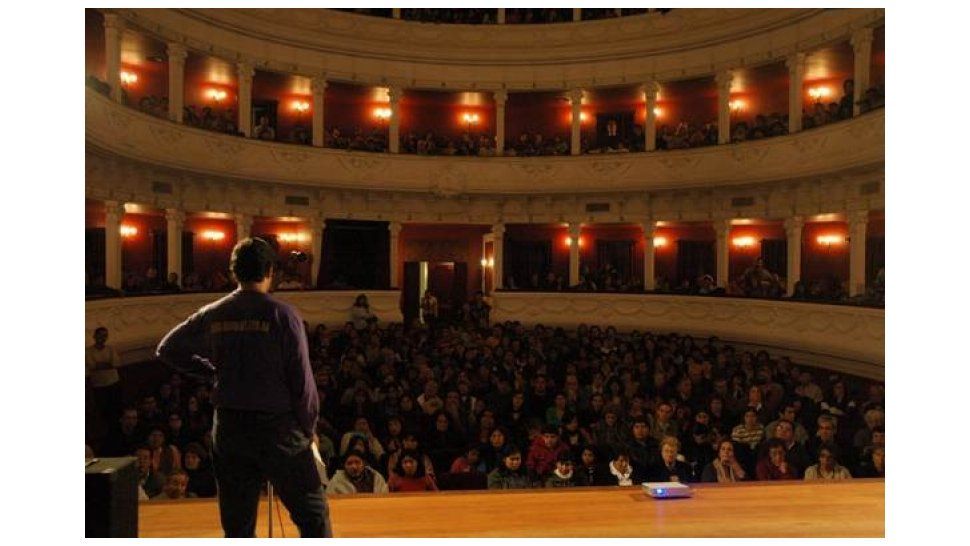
column 269, row 500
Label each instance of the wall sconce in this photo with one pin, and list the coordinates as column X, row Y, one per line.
column 299, row 237
column 659, row 242
column 213, row 235
column 818, row 93
column 128, row 78
column 488, row 262
column 743, row 242
column 583, row 117
column 829, row 240
column 128, row 231
column 382, row 113
column 301, row 106
column 736, row 106
column 217, row 95
column 657, row 111
column 569, row 241
column 470, row 119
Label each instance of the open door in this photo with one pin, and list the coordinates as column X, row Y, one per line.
column 411, row 292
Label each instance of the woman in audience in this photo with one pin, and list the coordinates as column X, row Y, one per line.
column 875, row 465
column 511, row 475
column 725, row 468
column 409, row 475
column 360, row 313
column 775, row 466
column 622, row 471
column 202, row 480
column 356, row 477
column 590, row 471
column 670, row 468
column 828, row 467
column 494, row 451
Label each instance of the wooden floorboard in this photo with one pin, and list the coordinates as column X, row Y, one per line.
column 854, row 508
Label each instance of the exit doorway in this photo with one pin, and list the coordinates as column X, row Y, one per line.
column 447, row 281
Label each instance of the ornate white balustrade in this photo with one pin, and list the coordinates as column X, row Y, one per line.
column 848, row 338
column 137, row 324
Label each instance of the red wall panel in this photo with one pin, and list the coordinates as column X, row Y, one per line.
column 94, row 60
column 818, row 260
column 693, row 101
column 211, row 256
column 741, row 258
column 351, row 106
column 204, row 74
column 443, row 243
column 136, row 250
column 547, row 113
column 442, row 113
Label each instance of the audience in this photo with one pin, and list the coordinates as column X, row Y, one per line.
column 507, row 407
column 374, row 140
column 465, row 16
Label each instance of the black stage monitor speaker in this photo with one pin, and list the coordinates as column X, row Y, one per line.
column 111, row 498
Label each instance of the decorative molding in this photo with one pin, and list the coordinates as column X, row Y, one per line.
column 685, row 43
column 853, row 335
column 838, row 151
column 137, row 324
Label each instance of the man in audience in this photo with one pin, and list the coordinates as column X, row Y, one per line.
column 642, row 446
column 102, row 363
column 356, row 477
column 544, row 452
column 125, row 437
column 176, row 487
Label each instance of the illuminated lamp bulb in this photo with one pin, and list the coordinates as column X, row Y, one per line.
column 829, row 240
column 659, row 242
column 128, row 78
column 818, row 93
column 292, row 237
column 382, row 113
column 736, row 105
column 657, row 111
column 491, row 262
column 217, row 95
column 128, row 231
column 484, row 262
column 301, row 106
column 743, row 242
column 212, row 235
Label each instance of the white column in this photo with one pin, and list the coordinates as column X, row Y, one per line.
column 796, row 81
column 575, row 231
column 651, row 89
column 396, row 13
column 394, row 129
column 319, row 87
column 862, row 51
column 793, row 232
column 174, row 222
column 115, row 212
column 245, row 73
column 244, row 226
column 722, row 228
column 649, row 256
column 500, row 97
column 723, row 80
column 395, row 230
column 576, row 99
column 498, row 252
column 858, row 222
column 501, row 16
column 113, row 26
column 577, row 14
column 176, row 82
column 317, row 225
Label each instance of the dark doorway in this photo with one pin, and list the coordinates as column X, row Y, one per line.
column 619, row 254
column 775, row 254
column 528, row 263
column 94, row 255
column 411, row 292
column 694, row 258
column 266, row 108
column 613, row 128
column 355, row 255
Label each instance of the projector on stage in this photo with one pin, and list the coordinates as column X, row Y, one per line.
column 667, row 490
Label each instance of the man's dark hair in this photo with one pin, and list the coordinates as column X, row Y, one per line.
column 252, row 260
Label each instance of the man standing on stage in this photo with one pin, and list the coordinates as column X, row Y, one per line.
column 265, row 397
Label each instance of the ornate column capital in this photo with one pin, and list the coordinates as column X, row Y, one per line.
column 793, row 224
column 498, row 229
column 175, row 216
column 176, row 52
column 651, row 88
column 649, row 228
column 861, row 37
column 394, row 93
column 244, row 221
column 113, row 21
column 575, row 229
column 724, row 78
column 722, row 227
column 795, row 62
column 857, row 218
column 318, row 85
column 394, row 228
column 114, row 210
column 500, row 96
column 245, row 70
column 576, row 97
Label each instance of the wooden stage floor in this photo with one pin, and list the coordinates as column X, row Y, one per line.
column 855, row 508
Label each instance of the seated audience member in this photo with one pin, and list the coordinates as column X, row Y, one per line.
column 165, row 456
column 198, row 468
column 510, row 475
column 669, row 468
column 591, row 472
column 443, row 443
column 150, row 481
column 466, row 463
column 494, row 451
column 125, row 437
column 795, row 453
column 544, row 452
column 774, row 466
column 622, row 472
column 828, row 467
column 356, row 477
column 662, row 423
column 362, row 430
column 874, row 466
column 699, row 451
column 564, row 474
column 825, row 433
column 725, row 468
column 176, row 487
column 788, row 413
column 409, row 475
column 642, row 447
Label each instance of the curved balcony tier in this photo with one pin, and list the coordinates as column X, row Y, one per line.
column 852, row 150
column 347, row 47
